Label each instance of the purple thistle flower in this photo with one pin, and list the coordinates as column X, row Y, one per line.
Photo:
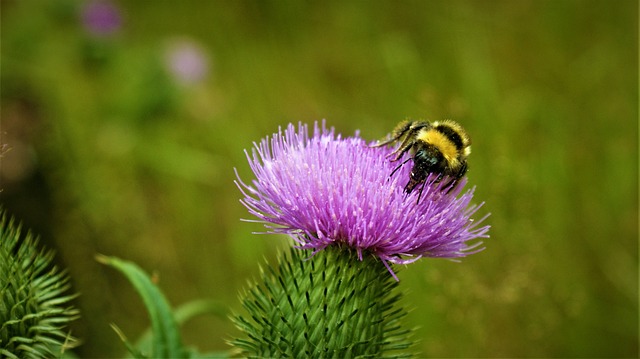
column 325, row 189
column 187, row 62
column 101, row 17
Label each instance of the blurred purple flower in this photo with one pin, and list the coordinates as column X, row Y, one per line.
column 323, row 190
column 187, row 62
column 101, row 17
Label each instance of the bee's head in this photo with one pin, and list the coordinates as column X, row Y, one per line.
column 427, row 159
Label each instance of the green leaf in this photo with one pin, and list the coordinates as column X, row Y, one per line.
column 137, row 354
column 182, row 314
column 166, row 341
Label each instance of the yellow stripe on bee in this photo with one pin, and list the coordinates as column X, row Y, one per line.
column 456, row 127
column 441, row 142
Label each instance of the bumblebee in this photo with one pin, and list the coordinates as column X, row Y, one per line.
column 439, row 147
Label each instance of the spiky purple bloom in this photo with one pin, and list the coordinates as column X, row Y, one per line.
column 324, row 189
column 101, row 17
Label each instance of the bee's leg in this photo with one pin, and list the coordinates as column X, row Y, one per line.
column 451, row 185
column 462, row 170
column 424, row 183
column 384, row 143
column 397, row 168
column 409, row 139
column 397, row 133
column 406, row 146
column 455, row 180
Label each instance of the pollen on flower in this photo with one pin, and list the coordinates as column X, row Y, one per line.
column 322, row 189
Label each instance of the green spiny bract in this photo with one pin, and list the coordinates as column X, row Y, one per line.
column 327, row 305
column 34, row 308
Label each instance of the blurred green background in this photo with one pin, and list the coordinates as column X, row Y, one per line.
column 122, row 123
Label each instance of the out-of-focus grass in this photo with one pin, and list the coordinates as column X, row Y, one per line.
column 110, row 155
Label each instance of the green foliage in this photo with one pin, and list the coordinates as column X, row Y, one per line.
column 331, row 305
column 166, row 341
column 182, row 314
column 113, row 159
column 34, row 306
